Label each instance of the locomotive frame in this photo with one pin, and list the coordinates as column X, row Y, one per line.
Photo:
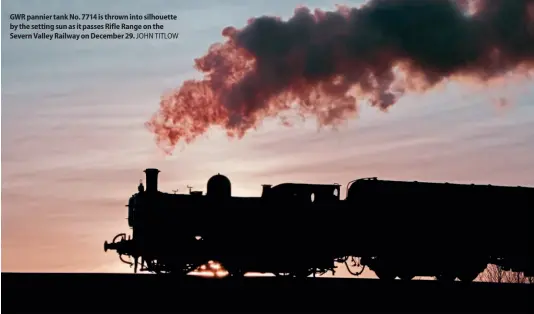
column 395, row 228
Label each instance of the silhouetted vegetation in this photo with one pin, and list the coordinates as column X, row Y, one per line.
column 498, row 274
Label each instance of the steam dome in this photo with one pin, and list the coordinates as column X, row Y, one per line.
column 219, row 186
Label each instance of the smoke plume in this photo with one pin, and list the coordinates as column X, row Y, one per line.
column 321, row 64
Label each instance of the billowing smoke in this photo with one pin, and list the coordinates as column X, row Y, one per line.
column 321, row 64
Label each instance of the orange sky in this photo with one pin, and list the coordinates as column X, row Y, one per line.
column 74, row 146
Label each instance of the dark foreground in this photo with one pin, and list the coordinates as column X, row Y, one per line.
column 150, row 293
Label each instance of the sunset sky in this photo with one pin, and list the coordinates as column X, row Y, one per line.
column 74, row 145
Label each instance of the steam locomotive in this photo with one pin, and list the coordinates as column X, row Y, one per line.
column 395, row 228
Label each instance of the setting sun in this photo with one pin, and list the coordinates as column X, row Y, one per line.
column 211, row 269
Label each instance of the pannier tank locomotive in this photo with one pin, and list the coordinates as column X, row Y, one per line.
column 395, row 228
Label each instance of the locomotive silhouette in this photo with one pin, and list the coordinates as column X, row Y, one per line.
column 395, row 228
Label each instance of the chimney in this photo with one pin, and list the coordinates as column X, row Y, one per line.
column 151, row 179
